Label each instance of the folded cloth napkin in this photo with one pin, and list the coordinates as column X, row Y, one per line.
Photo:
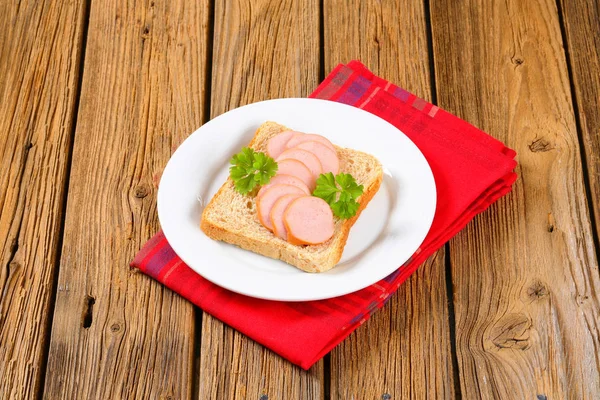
column 471, row 170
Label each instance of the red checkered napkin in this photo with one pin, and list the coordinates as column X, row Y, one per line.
column 471, row 169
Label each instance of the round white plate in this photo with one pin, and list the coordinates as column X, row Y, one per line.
column 387, row 233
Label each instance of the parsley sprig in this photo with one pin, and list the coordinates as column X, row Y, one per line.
column 340, row 192
column 250, row 169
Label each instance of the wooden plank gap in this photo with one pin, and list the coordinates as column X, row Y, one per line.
column 197, row 349
column 452, row 321
column 321, row 41
column 327, row 377
column 430, row 53
column 209, row 66
column 447, row 260
column 198, row 313
column 578, row 125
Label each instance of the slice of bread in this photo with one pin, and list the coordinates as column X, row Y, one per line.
column 232, row 218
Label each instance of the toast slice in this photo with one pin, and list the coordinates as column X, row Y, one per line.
column 231, row 217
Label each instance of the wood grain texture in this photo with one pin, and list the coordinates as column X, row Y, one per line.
column 404, row 350
column 40, row 50
column 117, row 333
column 262, row 50
column 525, row 275
column 582, row 27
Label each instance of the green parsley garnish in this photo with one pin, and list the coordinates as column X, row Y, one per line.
column 341, row 197
column 250, row 169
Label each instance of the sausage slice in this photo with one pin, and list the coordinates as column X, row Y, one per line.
column 307, row 137
column 268, row 199
column 308, row 220
column 277, row 214
column 305, row 157
column 277, row 144
column 299, row 170
column 286, row 180
column 328, row 158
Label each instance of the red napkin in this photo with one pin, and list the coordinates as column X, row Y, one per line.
column 471, row 170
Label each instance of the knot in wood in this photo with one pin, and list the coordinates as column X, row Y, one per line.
column 141, row 191
column 537, row 290
column 540, row 145
column 115, row 328
column 13, row 266
column 550, row 226
column 386, row 396
column 515, row 59
column 88, row 311
column 582, row 298
column 264, row 397
column 512, row 332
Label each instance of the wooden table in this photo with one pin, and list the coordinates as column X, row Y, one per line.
column 96, row 95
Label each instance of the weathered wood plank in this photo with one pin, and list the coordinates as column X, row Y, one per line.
column 525, row 273
column 40, row 51
column 262, row 50
column 404, row 349
column 117, row 333
column 582, row 28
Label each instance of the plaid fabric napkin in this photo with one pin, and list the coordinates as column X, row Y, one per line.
column 471, row 170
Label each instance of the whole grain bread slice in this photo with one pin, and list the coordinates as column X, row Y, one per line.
column 231, row 217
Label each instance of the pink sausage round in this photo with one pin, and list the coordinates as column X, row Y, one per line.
column 296, row 168
column 269, row 197
column 277, row 144
column 305, row 157
column 277, row 214
column 328, row 158
column 286, row 180
column 308, row 137
column 308, row 220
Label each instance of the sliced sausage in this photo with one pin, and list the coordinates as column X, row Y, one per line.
column 277, row 144
column 277, row 214
column 299, row 170
column 286, row 180
column 328, row 158
column 305, row 157
column 308, row 220
column 307, row 137
column 269, row 197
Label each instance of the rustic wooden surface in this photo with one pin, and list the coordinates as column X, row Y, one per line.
column 261, row 51
column 525, row 273
column 521, row 315
column 38, row 95
column 581, row 22
column 408, row 341
column 117, row 334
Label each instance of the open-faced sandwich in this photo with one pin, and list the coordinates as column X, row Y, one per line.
column 292, row 196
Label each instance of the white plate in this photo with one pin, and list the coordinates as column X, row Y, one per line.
column 387, row 233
